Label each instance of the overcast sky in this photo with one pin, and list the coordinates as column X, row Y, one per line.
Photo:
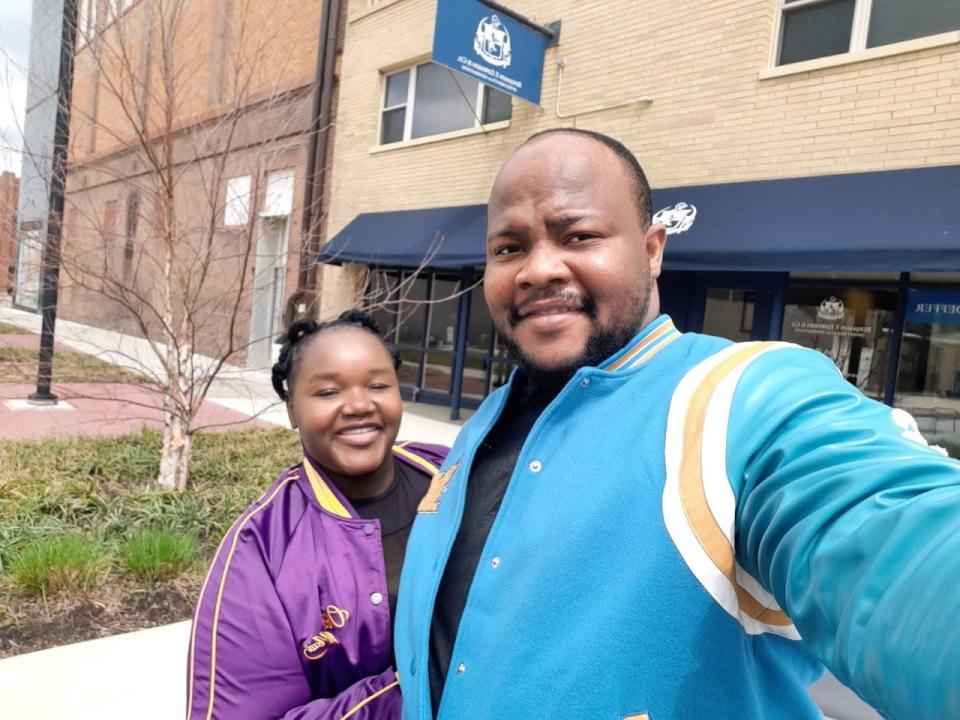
column 14, row 53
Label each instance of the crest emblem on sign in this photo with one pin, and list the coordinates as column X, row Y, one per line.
column 677, row 219
column 492, row 41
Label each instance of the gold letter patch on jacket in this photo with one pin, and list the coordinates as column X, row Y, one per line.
column 438, row 486
column 320, row 644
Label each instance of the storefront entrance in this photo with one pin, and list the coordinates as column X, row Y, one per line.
column 440, row 324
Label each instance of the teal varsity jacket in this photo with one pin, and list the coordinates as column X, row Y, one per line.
column 678, row 519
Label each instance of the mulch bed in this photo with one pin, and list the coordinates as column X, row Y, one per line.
column 37, row 627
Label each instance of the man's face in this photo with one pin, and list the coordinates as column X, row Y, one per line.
column 570, row 268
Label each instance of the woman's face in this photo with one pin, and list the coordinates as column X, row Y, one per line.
column 345, row 400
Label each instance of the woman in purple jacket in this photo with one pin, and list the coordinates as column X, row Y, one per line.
column 294, row 619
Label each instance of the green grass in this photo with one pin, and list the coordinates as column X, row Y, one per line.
column 19, row 365
column 8, row 329
column 50, row 565
column 158, row 554
column 103, row 488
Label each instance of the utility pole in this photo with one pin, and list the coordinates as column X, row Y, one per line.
column 51, row 249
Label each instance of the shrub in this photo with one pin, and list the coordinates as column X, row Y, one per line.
column 48, row 565
column 158, row 554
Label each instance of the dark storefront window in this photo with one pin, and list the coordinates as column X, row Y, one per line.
column 852, row 326
column 423, row 312
column 928, row 380
column 729, row 313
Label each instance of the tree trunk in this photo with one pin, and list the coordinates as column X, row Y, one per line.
column 177, row 422
column 175, row 453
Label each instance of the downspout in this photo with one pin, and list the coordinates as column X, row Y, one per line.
column 315, row 184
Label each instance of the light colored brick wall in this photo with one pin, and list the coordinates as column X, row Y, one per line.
column 713, row 119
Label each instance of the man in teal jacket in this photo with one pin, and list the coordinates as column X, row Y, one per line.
column 646, row 524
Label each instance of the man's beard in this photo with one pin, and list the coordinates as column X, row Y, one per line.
column 602, row 342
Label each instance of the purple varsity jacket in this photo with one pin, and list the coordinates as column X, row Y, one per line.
column 293, row 620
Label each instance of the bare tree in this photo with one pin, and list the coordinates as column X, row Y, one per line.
column 175, row 145
column 158, row 241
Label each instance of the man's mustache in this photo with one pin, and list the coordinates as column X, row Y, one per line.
column 583, row 301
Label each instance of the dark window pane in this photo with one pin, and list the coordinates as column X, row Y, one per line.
column 409, row 372
column 852, row 326
column 816, row 31
column 497, row 105
column 380, row 300
column 397, row 88
column 443, row 315
column 412, row 311
column 391, row 129
column 445, row 101
column 480, row 327
column 438, row 373
column 475, row 375
column 729, row 313
column 895, row 20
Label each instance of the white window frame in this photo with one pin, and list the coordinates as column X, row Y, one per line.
column 858, row 32
column 116, row 8
column 410, row 102
column 86, row 21
column 236, row 201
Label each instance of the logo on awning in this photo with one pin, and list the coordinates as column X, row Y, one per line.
column 676, row 219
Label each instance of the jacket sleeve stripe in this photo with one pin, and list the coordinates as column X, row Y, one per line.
column 699, row 504
column 359, row 706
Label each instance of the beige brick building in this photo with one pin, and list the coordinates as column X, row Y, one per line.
column 743, row 109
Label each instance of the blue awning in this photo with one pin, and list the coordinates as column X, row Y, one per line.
column 892, row 221
column 438, row 237
column 899, row 220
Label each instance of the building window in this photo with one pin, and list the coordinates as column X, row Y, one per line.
column 850, row 325
column 236, row 205
column 928, row 379
column 86, row 21
column 116, row 8
column 819, row 28
column 430, row 99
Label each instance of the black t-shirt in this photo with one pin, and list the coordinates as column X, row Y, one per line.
column 396, row 510
column 489, row 476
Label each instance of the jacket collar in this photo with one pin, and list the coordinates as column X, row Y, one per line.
column 648, row 342
column 333, row 501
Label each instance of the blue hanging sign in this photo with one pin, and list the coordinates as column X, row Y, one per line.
column 933, row 306
column 474, row 39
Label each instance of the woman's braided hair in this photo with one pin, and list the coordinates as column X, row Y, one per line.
column 298, row 335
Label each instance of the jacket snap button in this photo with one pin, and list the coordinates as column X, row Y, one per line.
column 461, row 669
column 376, row 598
column 368, row 529
column 536, row 466
column 495, row 563
column 584, row 382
